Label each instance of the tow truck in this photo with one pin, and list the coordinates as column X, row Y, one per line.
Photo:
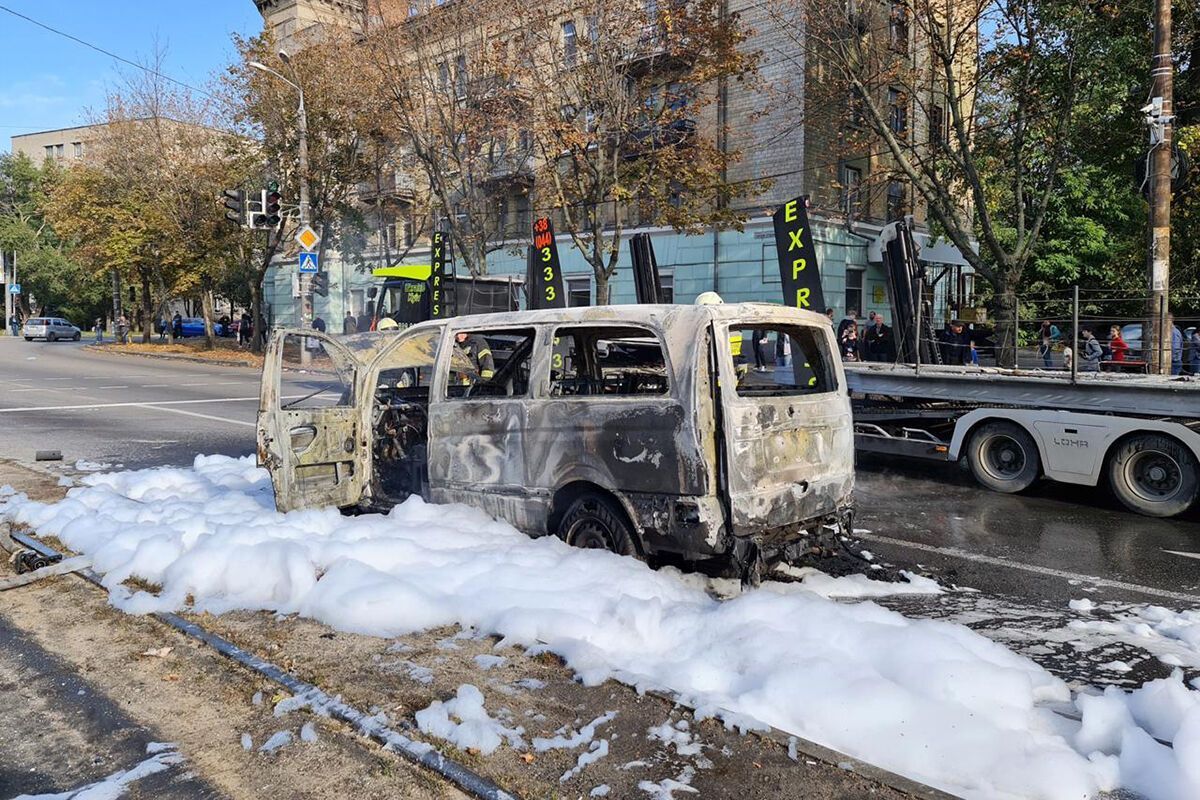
column 1139, row 434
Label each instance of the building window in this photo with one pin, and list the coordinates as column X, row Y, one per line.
column 570, row 44
column 898, row 27
column 77, row 147
column 49, row 151
column 937, row 125
column 854, row 289
column 444, row 76
column 460, row 76
column 666, row 285
column 524, row 223
column 358, row 302
column 898, row 112
column 858, row 112
column 896, row 206
column 851, row 192
column 579, row 292
column 60, row 151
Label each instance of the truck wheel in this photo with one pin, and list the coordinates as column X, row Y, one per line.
column 1153, row 475
column 595, row 522
column 1003, row 457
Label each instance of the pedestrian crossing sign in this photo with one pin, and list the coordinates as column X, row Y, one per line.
column 308, row 263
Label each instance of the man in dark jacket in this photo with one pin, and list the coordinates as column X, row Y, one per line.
column 956, row 344
column 349, row 324
column 879, row 343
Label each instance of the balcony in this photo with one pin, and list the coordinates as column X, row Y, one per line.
column 676, row 133
column 393, row 185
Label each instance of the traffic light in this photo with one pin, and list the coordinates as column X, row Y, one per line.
column 320, row 284
column 235, row 201
column 271, row 207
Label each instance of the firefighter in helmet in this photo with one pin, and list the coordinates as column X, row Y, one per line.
column 476, row 348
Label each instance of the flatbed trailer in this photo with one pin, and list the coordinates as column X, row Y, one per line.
column 1139, row 434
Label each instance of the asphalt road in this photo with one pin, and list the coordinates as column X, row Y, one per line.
column 111, row 409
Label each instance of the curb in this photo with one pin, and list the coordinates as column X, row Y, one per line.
column 216, row 362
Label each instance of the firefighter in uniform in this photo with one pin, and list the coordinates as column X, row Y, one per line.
column 476, row 348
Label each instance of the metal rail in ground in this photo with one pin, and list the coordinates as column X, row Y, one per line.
column 1096, row 393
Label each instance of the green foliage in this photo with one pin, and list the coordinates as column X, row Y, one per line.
column 46, row 270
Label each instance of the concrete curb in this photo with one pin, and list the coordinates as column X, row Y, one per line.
column 216, row 362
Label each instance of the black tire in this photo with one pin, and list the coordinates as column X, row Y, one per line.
column 50, row 337
column 76, row 337
column 1003, row 457
column 595, row 521
column 1153, row 475
column 29, row 338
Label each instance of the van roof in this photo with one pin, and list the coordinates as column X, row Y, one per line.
column 366, row 346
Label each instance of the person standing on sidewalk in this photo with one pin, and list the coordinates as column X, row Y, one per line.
column 1089, row 360
column 1048, row 336
column 122, row 330
column 349, row 324
column 98, row 326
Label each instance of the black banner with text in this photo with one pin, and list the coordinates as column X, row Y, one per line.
column 798, row 256
column 437, row 275
column 545, row 278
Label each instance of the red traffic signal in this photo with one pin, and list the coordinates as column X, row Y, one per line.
column 271, row 207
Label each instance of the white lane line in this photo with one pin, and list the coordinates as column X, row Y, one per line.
column 1056, row 573
column 202, row 416
column 154, row 385
column 112, row 387
column 1182, row 553
column 147, row 405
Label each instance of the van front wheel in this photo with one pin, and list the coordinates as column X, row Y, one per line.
column 595, row 522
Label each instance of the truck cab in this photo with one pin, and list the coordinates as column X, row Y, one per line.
column 646, row 430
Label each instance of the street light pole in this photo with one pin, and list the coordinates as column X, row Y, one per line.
column 306, row 298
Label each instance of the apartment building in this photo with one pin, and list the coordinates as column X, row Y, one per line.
column 65, row 145
column 800, row 145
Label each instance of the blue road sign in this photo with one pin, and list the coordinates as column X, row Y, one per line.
column 308, row 263
column 14, row 288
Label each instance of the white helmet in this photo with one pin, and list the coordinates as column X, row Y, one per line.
column 387, row 324
column 709, row 299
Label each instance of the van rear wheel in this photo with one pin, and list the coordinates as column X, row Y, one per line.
column 1154, row 475
column 596, row 522
column 1003, row 457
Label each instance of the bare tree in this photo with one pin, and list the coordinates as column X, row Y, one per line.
column 622, row 111
column 969, row 103
column 456, row 119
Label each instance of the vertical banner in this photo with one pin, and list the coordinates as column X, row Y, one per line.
column 646, row 281
column 545, row 272
column 437, row 274
column 798, row 256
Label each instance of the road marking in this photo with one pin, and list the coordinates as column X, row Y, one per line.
column 88, row 406
column 1181, row 553
column 1056, row 573
column 202, row 416
column 155, row 385
column 112, row 387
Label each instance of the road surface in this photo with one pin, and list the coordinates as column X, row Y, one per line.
column 112, row 409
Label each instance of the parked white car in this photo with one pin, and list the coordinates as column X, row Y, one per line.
column 50, row 329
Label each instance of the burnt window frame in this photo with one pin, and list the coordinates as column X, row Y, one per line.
column 450, row 344
column 828, row 352
column 558, row 330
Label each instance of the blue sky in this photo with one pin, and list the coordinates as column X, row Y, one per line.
column 47, row 81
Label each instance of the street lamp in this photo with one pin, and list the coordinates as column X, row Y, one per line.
column 306, row 299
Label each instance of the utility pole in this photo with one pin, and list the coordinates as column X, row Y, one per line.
column 1156, row 338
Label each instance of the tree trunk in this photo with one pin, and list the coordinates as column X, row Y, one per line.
column 256, row 315
column 206, row 311
column 602, row 287
column 147, row 305
column 1007, row 330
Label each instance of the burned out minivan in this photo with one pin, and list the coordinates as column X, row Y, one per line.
column 649, row 430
